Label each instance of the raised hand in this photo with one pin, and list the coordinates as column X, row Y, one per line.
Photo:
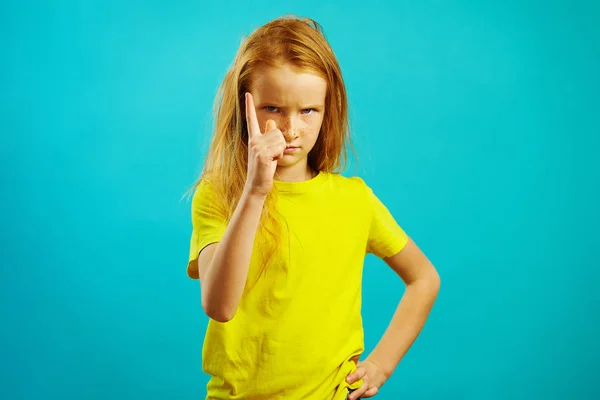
column 264, row 150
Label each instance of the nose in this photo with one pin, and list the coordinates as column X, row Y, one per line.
column 288, row 128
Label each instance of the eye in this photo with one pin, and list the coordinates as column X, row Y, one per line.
column 308, row 111
column 271, row 109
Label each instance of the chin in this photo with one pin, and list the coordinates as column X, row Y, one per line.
column 288, row 162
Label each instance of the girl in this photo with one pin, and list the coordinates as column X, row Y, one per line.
column 279, row 238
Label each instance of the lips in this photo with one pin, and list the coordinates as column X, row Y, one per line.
column 291, row 149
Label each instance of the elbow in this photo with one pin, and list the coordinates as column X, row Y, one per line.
column 429, row 281
column 217, row 311
column 433, row 279
column 220, row 317
column 434, row 282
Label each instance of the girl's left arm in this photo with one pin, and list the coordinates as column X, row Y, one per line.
column 422, row 286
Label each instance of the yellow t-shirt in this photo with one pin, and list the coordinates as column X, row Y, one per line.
column 296, row 332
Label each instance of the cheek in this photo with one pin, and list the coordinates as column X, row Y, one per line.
column 312, row 127
column 262, row 121
column 263, row 116
column 310, row 134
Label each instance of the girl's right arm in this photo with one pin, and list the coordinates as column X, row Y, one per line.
column 223, row 267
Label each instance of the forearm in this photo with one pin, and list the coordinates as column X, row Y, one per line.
column 406, row 324
column 227, row 272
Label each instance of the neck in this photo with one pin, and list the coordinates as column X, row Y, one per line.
column 295, row 173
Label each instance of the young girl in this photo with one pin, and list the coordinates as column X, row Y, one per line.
column 279, row 237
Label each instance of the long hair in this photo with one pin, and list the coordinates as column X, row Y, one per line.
column 301, row 43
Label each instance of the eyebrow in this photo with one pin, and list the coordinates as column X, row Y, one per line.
column 274, row 104
column 313, row 106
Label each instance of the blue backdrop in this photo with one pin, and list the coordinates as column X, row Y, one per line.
column 476, row 122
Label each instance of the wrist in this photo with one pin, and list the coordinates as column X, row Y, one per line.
column 252, row 196
column 385, row 373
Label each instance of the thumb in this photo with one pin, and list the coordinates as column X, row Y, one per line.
column 271, row 125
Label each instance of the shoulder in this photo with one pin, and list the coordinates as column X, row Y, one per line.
column 205, row 199
column 351, row 183
column 202, row 193
column 353, row 187
column 348, row 181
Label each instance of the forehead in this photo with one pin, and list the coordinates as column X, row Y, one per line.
column 287, row 84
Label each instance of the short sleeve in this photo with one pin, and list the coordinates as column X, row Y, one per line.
column 386, row 237
column 208, row 224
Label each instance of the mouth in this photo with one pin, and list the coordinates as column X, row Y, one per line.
column 291, row 149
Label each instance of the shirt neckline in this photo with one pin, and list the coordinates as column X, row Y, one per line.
column 302, row 186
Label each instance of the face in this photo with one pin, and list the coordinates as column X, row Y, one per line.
column 295, row 100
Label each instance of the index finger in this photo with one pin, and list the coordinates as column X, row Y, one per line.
column 357, row 375
column 251, row 119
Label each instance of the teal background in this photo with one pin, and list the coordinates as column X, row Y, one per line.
column 476, row 122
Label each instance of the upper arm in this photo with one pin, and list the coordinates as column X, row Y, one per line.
column 209, row 223
column 412, row 265
column 385, row 236
column 204, row 259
